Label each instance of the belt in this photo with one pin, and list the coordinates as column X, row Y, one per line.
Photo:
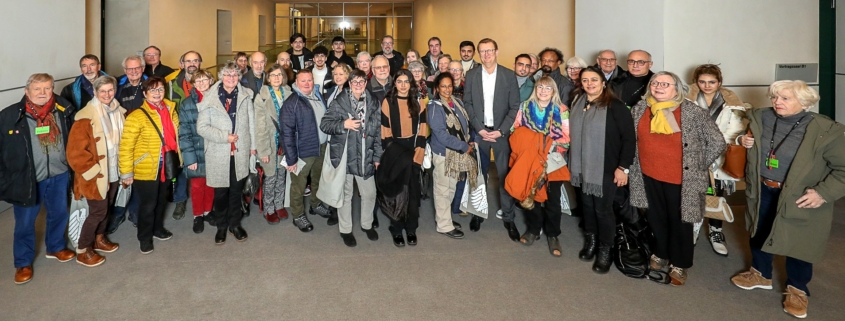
column 490, row 128
column 771, row 183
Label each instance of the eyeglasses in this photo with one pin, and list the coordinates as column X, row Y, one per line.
column 359, row 82
column 275, row 75
column 110, row 91
column 456, row 70
column 544, row 88
column 230, row 76
column 195, row 61
column 574, row 68
column 638, row 63
column 380, row 67
column 133, row 69
column 607, row 59
column 157, row 90
column 151, row 55
column 658, row 84
column 387, row 43
column 486, row 51
column 203, row 81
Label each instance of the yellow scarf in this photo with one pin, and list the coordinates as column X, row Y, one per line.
column 660, row 124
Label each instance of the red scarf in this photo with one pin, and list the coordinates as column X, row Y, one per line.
column 43, row 116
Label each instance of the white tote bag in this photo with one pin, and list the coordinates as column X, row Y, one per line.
column 475, row 201
column 78, row 214
column 332, row 179
column 123, row 195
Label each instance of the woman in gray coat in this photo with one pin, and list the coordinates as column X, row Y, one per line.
column 268, row 105
column 354, row 119
column 227, row 123
column 676, row 145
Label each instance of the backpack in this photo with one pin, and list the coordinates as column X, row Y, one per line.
column 631, row 253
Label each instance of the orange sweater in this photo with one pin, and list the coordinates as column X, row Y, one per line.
column 661, row 156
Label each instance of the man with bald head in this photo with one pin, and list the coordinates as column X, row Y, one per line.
column 254, row 79
column 283, row 59
column 606, row 60
column 633, row 85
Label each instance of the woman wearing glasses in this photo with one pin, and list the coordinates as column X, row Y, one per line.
column 267, row 108
column 676, row 143
column 728, row 112
column 142, row 151
column 573, row 70
column 354, row 121
column 193, row 149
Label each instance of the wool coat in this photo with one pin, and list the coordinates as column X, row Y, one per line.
column 819, row 164
column 87, row 154
column 702, row 144
column 214, row 125
column 266, row 120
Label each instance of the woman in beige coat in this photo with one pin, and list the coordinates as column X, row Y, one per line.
column 267, row 107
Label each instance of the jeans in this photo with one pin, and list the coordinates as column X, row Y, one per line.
column 180, row 188
column 52, row 192
column 798, row 272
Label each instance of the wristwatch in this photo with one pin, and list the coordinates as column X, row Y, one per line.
column 624, row 170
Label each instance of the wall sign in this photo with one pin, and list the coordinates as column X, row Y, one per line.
column 808, row 72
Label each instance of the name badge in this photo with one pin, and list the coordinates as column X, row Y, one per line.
column 772, row 162
column 42, row 130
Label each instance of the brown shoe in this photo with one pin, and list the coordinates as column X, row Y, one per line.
column 63, row 255
column 102, row 244
column 657, row 264
column 678, row 275
column 751, row 279
column 23, row 274
column 795, row 302
column 90, row 258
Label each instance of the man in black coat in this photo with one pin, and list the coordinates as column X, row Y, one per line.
column 394, row 57
column 254, row 78
column 338, row 53
column 492, row 114
column 606, row 60
column 432, row 56
column 635, row 82
column 550, row 60
column 154, row 67
column 81, row 90
column 300, row 57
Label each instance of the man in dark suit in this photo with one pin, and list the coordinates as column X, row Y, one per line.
column 491, row 98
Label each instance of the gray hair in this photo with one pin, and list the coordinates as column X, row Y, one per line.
column 680, row 87
column 253, row 54
column 133, row 57
column 230, row 67
column 414, row 65
column 104, row 80
column 39, row 77
column 606, row 50
column 576, row 62
column 805, row 95
column 363, row 54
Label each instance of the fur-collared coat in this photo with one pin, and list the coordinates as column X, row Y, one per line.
column 732, row 122
column 702, row 144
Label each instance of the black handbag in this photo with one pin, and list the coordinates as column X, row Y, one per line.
column 631, row 253
column 172, row 164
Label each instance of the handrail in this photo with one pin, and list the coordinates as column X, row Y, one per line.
column 21, row 87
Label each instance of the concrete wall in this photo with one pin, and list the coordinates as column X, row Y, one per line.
column 192, row 25
column 53, row 45
column 517, row 26
column 127, row 32
column 605, row 24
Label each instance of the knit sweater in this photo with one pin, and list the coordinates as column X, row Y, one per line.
column 660, row 155
column 786, row 153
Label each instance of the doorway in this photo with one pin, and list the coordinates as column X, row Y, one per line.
column 224, row 36
column 262, row 30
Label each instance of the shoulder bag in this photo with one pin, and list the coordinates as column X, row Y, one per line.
column 172, row 166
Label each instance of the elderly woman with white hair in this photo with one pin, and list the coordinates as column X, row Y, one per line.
column 676, row 144
column 573, row 67
column 364, row 60
column 790, row 209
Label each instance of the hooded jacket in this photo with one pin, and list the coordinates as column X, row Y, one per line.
column 294, row 59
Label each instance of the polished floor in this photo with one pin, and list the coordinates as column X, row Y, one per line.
column 280, row 273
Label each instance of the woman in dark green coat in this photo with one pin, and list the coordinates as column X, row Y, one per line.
column 795, row 172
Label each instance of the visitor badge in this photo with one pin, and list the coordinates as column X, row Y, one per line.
column 772, row 162
column 42, row 130
column 710, row 191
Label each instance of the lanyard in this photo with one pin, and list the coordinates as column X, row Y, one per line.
column 772, row 148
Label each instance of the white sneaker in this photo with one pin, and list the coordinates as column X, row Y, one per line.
column 717, row 240
column 499, row 214
column 696, row 229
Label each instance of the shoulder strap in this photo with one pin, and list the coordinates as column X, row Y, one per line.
column 154, row 125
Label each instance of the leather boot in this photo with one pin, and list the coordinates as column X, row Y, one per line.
column 589, row 251
column 102, row 244
column 603, row 259
column 89, row 258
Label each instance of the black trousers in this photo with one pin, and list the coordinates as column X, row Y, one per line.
column 227, row 200
column 412, row 217
column 547, row 214
column 153, row 196
column 672, row 236
column 599, row 218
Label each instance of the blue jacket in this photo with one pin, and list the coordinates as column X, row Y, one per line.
column 300, row 134
column 191, row 143
column 441, row 139
column 74, row 93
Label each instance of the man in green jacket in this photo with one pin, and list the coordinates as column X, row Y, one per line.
column 522, row 69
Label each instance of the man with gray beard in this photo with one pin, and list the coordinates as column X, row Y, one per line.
column 81, row 90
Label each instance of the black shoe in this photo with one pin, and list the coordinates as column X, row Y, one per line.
column 348, row 239
column 163, row 235
column 115, row 223
column 146, row 247
column 332, row 221
column 179, row 211
column 475, row 223
column 455, row 234
column 375, row 219
column 211, row 218
column 589, row 251
column 371, row 234
column 199, row 224
column 513, row 232
column 603, row 259
column 398, row 240
column 322, row 210
column 220, row 237
column 412, row 239
column 457, row 226
column 238, row 232
column 303, row 223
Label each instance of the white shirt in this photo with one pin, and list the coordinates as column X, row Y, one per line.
column 488, row 86
column 320, row 76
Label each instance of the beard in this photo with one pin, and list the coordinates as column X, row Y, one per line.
column 191, row 70
column 546, row 69
column 92, row 76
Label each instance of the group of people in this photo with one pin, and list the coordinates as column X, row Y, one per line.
column 591, row 140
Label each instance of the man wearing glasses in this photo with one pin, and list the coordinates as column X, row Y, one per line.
column 129, row 92
column 491, row 98
column 154, row 67
column 550, row 60
column 380, row 83
column 300, row 56
column 394, row 57
column 607, row 62
column 631, row 88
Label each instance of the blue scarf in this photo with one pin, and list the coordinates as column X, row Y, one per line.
column 278, row 107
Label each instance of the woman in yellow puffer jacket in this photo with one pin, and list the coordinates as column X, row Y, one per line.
column 141, row 155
